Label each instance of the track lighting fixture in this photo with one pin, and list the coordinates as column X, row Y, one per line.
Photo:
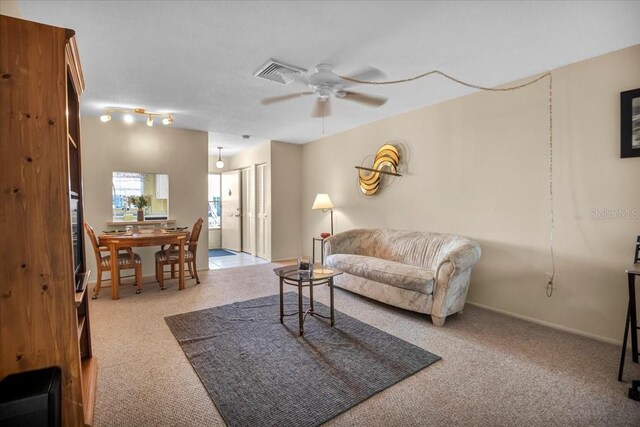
column 219, row 163
column 128, row 114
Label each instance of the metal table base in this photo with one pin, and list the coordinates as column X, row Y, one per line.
column 302, row 314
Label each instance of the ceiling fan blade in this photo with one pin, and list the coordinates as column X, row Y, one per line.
column 274, row 99
column 366, row 74
column 321, row 108
column 373, row 101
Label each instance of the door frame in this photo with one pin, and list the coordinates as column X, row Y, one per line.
column 255, row 197
column 239, row 204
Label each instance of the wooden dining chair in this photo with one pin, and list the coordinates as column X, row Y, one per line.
column 127, row 259
column 171, row 256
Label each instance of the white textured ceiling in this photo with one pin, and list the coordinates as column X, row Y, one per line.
column 231, row 144
column 197, row 59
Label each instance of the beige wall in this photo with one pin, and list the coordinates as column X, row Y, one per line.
column 478, row 166
column 286, row 189
column 10, row 8
column 115, row 146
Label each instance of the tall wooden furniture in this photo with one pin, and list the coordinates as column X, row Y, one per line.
column 171, row 256
column 126, row 261
column 44, row 322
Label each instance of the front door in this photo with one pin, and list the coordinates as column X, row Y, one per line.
column 231, row 219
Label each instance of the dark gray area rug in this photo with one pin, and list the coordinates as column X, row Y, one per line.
column 261, row 373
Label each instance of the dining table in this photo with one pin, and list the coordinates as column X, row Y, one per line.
column 139, row 238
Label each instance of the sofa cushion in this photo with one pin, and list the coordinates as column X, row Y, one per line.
column 389, row 272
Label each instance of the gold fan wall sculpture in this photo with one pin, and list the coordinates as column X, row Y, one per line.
column 387, row 157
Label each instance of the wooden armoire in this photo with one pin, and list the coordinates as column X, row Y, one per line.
column 44, row 310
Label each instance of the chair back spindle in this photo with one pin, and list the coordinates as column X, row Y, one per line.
column 194, row 236
column 94, row 241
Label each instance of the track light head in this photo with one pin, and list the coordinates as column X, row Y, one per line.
column 128, row 115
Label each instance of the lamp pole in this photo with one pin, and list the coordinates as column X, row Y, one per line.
column 331, row 221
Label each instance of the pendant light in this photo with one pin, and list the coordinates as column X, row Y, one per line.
column 219, row 163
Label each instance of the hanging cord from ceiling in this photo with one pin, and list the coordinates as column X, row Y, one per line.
column 552, row 276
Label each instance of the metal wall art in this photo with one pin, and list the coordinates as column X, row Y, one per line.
column 385, row 163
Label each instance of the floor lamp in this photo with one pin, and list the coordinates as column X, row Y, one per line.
column 324, row 202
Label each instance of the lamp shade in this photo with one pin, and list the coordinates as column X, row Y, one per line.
column 322, row 202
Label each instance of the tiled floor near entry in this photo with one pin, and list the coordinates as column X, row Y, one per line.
column 239, row 259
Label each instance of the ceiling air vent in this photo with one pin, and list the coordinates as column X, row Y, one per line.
column 278, row 72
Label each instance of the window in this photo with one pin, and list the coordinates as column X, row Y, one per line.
column 215, row 205
column 127, row 184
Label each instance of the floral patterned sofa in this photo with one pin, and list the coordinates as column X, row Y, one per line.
column 419, row 271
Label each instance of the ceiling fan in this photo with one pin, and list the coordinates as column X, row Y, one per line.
column 324, row 83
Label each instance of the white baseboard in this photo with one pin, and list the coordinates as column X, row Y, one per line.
column 548, row 324
column 285, row 260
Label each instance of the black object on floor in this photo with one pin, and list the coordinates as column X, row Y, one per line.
column 634, row 390
column 258, row 372
column 31, row 398
column 219, row 253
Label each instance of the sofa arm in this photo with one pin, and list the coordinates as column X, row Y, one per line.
column 347, row 242
column 452, row 279
column 462, row 257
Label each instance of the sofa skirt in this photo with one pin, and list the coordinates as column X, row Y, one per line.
column 397, row 297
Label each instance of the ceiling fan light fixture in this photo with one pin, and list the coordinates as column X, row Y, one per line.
column 128, row 118
column 324, row 83
column 105, row 118
column 324, row 93
column 149, row 121
column 219, row 163
column 167, row 120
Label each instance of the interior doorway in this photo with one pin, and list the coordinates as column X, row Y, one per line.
column 214, row 211
column 238, row 191
column 231, row 224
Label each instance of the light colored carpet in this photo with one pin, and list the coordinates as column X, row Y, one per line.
column 495, row 370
